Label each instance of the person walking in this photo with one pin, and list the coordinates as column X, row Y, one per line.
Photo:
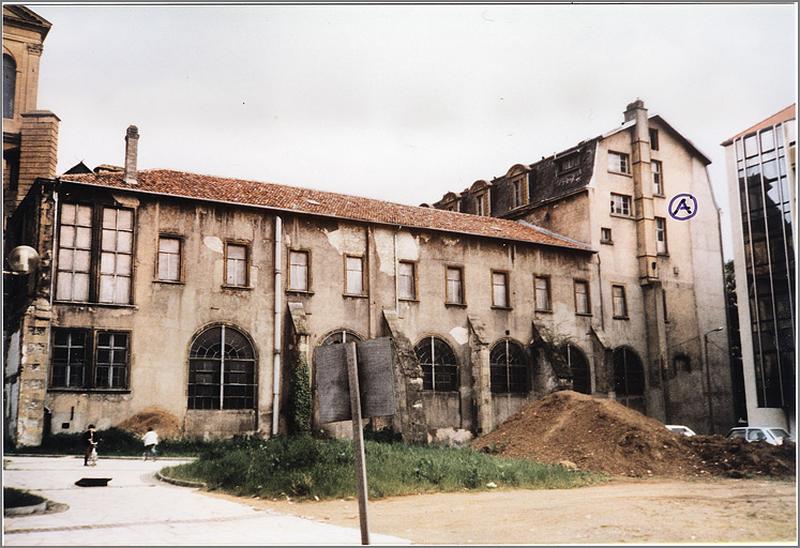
column 150, row 441
column 89, row 443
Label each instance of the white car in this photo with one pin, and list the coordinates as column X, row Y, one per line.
column 681, row 429
column 769, row 434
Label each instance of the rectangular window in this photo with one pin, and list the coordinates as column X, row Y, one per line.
column 767, row 140
column 354, row 275
column 406, row 281
column 605, row 236
column 621, row 205
column 455, row 285
column 618, row 162
column 519, row 196
column 70, row 360
column 74, row 253
column 116, row 251
column 658, row 184
column 298, row 270
column 169, row 259
column 500, row 289
column 480, row 205
column 541, row 286
column 653, row 139
column 569, row 163
column 619, row 303
column 661, row 235
column 235, row 265
column 751, row 146
column 582, row 301
column 111, row 360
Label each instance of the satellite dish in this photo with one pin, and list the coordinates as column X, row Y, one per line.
column 23, row 259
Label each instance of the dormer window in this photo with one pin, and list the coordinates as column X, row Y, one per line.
column 568, row 163
column 519, row 188
column 482, row 204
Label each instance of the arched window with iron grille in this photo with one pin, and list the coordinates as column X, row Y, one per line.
column 222, row 370
column 340, row 336
column 579, row 368
column 508, row 366
column 439, row 365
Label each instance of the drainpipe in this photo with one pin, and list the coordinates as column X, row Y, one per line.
column 276, row 358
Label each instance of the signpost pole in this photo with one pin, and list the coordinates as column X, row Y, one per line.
column 358, row 440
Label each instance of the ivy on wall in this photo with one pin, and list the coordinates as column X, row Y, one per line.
column 300, row 396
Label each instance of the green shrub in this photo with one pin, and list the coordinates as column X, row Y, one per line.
column 300, row 397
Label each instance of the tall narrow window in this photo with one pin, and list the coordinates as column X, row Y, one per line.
column 508, row 368
column 115, row 256
column 222, row 370
column 455, row 285
column 661, row 235
column 618, row 162
column 236, row 265
column 621, row 205
column 406, row 281
column 354, row 275
column 70, row 360
column 439, row 365
column 582, row 301
column 618, row 301
column 298, row 270
column 541, row 286
column 480, row 204
column 658, row 182
column 500, row 289
column 169, row 259
column 74, row 253
column 9, row 85
column 653, row 139
column 111, row 360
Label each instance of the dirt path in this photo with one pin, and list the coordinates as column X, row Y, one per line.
column 621, row 511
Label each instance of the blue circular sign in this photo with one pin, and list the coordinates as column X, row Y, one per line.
column 682, row 207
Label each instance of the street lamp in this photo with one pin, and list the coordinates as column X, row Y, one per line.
column 708, row 376
column 22, row 260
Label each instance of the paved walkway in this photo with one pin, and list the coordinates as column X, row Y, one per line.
column 137, row 509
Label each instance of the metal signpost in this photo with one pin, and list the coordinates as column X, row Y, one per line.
column 355, row 381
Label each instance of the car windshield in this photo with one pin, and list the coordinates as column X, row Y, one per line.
column 779, row 433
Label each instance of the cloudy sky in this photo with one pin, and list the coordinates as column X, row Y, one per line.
column 401, row 103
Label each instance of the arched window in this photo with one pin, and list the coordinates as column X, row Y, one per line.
column 629, row 378
column 222, row 370
column 340, row 336
column 439, row 365
column 508, row 367
column 579, row 367
column 9, row 85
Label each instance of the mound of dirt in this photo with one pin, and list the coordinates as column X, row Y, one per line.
column 605, row 436
column 164, row 423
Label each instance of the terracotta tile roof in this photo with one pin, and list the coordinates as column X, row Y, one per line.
column 328, row 204
column 786, row 114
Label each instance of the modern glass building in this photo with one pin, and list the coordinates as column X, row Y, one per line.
column 762, row 189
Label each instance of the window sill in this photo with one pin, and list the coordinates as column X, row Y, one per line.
column 659, row 195
column 408, row 300
column 495, row 307
column 456, row 305
column 607, row 242
column 90, row 390
column 299, row 292
column 664, row 254
column 621, row 216
column 237, row 287
column 543, row 311
column 621, row 317
column 621, row 173
column 584, row 314
column 445, row 392
column 91, row 304
column 169, row 282
column 356, row 295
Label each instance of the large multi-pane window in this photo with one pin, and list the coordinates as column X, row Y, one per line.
column 508, row 368
column 619, row 162
column 75, row 366
column 222, row 370
column 439, row 365
column 85, row 273
column 765, row 200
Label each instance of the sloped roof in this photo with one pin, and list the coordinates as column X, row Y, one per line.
column 327, row 204
column 785, row 114
column 674, row 132
column 25, row 17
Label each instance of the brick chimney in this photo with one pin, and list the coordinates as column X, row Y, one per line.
column 38, row 149
column 131, row 150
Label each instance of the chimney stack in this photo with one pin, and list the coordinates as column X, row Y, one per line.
column 131, row 148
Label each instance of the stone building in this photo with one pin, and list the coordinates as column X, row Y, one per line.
column 761, row 162
column 658, row 296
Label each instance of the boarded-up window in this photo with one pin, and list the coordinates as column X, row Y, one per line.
column 354, row 275
column 236, row 265
column 115, row 256
column 407, row 286
column 169, row 259
column 74, row 253
column 500, row 289
column 455, row 285
column 298, row 270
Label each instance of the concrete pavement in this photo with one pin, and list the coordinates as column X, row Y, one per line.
column 137, row 509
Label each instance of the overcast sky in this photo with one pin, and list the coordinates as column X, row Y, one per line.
column 401, row 103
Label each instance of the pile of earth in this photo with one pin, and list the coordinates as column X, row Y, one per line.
column 164, row 423
column 605, row 436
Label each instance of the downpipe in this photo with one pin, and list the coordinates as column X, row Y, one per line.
column 276, row 357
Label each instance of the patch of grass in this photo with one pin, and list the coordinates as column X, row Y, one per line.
column 14, row 498
column 305, row 467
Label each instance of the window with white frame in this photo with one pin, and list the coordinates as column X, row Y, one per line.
column 406, row 281
column 618, row 301
column 169, row 259
column 115, row 257
column 74, row 253
column 661, row 235
column 621, row 205
column 354, row 275
column 541, row 286
column 481, row 207
column 582, row 301
column 454, row 280
column 500, row 289
column 298, row 271
column 658, row 182
column 235, row 265
column 619, row 162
